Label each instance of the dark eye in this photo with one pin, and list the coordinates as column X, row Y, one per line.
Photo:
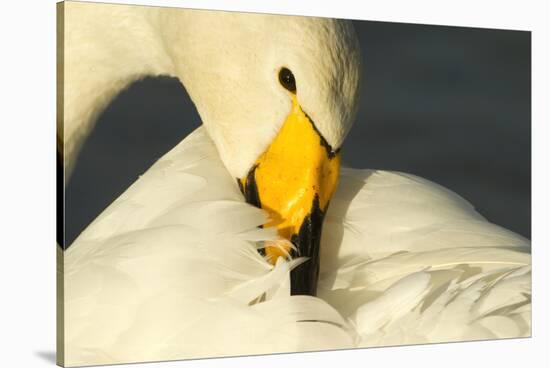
column 287, row 80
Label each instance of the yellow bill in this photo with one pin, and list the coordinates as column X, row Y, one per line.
column 294, row 180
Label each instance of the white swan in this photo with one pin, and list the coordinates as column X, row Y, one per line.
column 171, row 269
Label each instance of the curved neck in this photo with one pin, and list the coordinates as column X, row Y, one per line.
column 220, row 57
column 105, row 48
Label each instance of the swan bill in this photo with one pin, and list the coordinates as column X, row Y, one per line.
column 293, row 181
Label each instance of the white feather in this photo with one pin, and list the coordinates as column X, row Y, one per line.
column 179, row 276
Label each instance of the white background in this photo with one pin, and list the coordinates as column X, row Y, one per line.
column 27, row 202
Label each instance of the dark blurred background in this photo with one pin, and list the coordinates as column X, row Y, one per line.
column 449, row 104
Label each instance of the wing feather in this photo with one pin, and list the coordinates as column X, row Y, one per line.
column 171, row 270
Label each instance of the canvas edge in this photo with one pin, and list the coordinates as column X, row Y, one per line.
column 60, row 193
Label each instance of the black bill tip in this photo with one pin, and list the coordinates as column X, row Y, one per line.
column 303, row 278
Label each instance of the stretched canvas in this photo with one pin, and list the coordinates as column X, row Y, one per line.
column 232, row 183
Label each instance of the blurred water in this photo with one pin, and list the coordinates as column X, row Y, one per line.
column 446, row 103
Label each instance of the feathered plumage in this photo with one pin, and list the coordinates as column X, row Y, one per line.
column 171, row 270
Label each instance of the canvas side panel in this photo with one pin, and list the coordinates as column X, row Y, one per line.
column 60, row 193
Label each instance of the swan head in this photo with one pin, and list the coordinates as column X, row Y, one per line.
column 230, row 64
column 277, row 95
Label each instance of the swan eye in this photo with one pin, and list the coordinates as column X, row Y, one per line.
column 286, row 78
